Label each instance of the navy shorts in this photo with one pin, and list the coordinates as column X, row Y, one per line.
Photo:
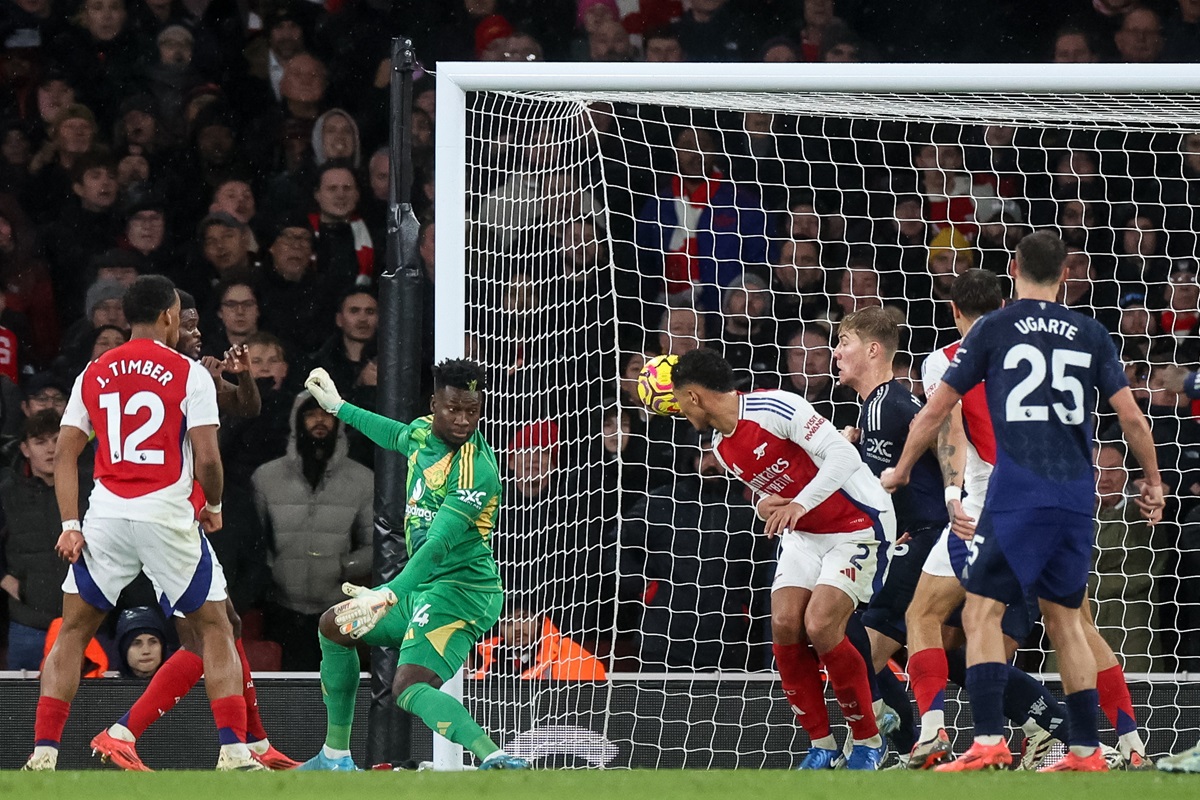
column 1044, row 552
column 1017, row 622
column 885, row 613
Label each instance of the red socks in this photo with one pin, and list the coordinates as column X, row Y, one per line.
column 928, row 672
column 230, row 715
column 175, row 679
column 801, row 679
column 1115, row 700
column 255, row 731
column 848, row 674
column 50, row 721
column 169, row 685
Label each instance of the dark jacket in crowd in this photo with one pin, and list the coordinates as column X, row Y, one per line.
column 32, row 528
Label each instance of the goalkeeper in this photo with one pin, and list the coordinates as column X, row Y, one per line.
column 449, row 593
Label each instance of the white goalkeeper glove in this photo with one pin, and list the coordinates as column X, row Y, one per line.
column 324, row 390
column 358, row 615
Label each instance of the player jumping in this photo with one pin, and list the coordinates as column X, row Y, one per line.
column 836, row 526
column 448, row 594
column 154, row 413
column 1043, row 364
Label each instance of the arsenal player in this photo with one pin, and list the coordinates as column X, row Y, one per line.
column 836, row 526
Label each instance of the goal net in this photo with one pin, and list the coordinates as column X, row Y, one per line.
column 589, row 221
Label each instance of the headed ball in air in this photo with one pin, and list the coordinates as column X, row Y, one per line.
column 656, row 388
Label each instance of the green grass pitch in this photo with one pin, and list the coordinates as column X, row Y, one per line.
column 606, row 785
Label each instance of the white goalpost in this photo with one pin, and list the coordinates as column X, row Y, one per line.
column 592, row 215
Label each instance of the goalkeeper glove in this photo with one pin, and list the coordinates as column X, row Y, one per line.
column 323, row 389
column 358, row 615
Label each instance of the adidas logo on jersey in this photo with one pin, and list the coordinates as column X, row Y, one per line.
column 850, row 572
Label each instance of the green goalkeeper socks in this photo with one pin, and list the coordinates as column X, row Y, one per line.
column 445, row 715
column 339, row 688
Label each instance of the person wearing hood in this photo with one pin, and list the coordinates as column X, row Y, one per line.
column 335, row 137
column 141, row 642
column 317, row 504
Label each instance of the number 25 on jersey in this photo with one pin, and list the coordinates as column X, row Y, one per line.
column 1015, row 407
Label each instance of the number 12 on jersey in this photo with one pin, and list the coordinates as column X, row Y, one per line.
column 127, row 448
column 1015, row 409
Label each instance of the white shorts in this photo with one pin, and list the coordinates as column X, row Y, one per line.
column 854, row 562
column 180, row 564
column 946, row 558
column 162, row 596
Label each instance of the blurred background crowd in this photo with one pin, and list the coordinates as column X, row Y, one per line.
column 236, row 147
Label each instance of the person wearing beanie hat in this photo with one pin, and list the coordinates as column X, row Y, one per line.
column 929, row 323
column 103, row 309
column 490, row 30
column 950, row 255
column 103, row 303
column 141, row 642
column 533, row 457
column 591, row 13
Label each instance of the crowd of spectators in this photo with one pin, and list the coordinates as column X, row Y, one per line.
column 236, row 148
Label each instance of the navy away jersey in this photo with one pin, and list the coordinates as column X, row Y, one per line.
column 883, row 425
column 1043, row 365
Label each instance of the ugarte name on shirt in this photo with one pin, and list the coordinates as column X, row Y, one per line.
column 1043, row 325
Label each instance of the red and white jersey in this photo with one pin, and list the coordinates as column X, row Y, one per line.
column 141, row 399
column 977, row 422
column 782, row 446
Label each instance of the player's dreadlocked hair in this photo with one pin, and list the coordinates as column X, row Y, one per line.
column 703, row 367
column 459, row 373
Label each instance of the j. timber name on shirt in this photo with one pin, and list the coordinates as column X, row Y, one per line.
column 773, row 479
column 1043, row 325
column 147, row 367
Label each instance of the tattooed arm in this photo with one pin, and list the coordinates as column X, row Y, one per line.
column 952, row 449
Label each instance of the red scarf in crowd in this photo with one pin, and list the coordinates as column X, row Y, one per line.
column 680, row 265
column 8, row 355
column 364, row 248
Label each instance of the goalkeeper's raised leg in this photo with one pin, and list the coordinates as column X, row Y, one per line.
column 449, row 593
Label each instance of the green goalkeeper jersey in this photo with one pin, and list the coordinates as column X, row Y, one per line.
column 453, row 499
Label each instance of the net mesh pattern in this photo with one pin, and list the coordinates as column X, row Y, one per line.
column 606, row 227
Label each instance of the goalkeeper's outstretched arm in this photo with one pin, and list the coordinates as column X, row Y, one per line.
column 388, row 433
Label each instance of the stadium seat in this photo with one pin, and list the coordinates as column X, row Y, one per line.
column 252, row 626
column 263, row 656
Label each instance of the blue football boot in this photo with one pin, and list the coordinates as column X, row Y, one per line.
column 820, row 758
column 865, row 757
column 504, row 761
column 323, row 763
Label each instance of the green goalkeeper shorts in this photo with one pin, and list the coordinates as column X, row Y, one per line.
column 437, row 628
